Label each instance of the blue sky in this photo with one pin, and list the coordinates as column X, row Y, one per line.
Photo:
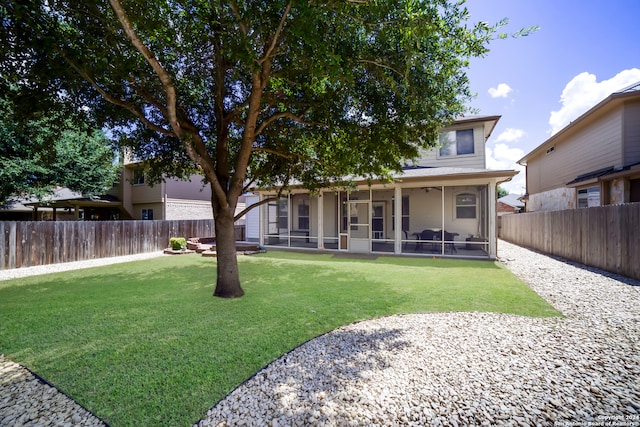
column 584, row 51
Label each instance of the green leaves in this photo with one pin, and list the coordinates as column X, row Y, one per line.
column 47, row 149
column 266, row 91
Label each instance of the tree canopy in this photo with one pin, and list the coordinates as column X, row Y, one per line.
column 253, row 92
column 46, row 149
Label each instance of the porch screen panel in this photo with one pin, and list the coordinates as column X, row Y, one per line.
column 382, row 233
column 330, row 214
column 469, row 219
column 304, row 220
column 276, row 222
column 423, row 235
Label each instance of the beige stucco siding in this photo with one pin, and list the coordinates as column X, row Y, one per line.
column 190, row 190
column 143, row 193
column 631, row 133
column 583, row 151
column 158, row 210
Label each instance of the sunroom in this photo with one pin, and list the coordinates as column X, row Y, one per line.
column 425, row 211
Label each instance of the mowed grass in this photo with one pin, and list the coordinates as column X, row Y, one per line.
column 145, row 343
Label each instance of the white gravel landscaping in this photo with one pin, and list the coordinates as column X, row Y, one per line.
column 449, row 369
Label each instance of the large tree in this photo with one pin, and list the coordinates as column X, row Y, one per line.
column 44, row 148
column 253, row 92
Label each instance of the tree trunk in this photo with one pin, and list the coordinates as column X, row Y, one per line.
column 228, row 280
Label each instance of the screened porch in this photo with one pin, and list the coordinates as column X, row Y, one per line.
column 428, row 220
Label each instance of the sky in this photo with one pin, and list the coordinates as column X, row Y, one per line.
column 583, row 51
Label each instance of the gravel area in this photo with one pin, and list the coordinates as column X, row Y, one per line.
column 449, row 369
column 16, row 273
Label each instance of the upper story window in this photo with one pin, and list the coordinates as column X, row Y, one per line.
column 138, row 176
column 588, row 197
column 456, row 143
column 466, row 205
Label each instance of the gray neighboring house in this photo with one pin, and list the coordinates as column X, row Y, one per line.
column 593, row 161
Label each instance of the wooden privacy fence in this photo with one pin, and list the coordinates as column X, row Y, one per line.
column 30, row 243
column 606, row 237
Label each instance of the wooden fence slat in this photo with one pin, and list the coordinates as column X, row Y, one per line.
column 27, row 243
column 607, row 237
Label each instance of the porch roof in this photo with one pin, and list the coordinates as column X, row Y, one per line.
column 429, row 174
column 422, row 173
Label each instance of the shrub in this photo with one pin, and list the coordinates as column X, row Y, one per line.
column 178, row 243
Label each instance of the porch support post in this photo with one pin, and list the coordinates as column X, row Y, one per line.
column 397, row 218
column 261, row 210
column 493, row 236
column 320, row 200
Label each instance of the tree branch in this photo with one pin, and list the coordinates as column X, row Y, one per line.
column 378, row 64
column 116, row 101
column 162, row 74
column 194, row 145
column 274, row 40
column 260, row 203
column 286, row 114
column 294, row 156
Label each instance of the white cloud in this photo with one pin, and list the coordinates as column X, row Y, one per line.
column 583, row 92
column 510, row 135
column 501, row 91
column 503, row 157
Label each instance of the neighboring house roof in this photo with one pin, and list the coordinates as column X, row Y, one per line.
column 60, row 198
column 613, row 100
column 604, row 174
column 512, row 200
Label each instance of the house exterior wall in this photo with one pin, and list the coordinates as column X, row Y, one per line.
column 552, row 200
column 618, row 191
column 188, row 209
column 144, row 193
column 590, row 148
column 193, row 189
column 631, row 133
column 158, row 210
column 252, row 219
column 503, row 209
column 476, row 160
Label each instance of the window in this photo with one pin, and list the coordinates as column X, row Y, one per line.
column 147, row 214
column 588, row 197
column 456, row 143
column 466, row 205
column 138, row 176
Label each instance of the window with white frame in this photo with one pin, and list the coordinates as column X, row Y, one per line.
column 588, row 197
column 466, row 205
column 456, row 143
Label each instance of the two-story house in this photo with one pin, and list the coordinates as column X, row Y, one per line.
column 169, row 199
column 443, row 204
column 131, row 198
column 593, row 161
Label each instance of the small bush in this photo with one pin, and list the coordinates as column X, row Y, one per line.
column 178, row 243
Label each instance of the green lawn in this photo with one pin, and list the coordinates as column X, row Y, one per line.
column 145, row 343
